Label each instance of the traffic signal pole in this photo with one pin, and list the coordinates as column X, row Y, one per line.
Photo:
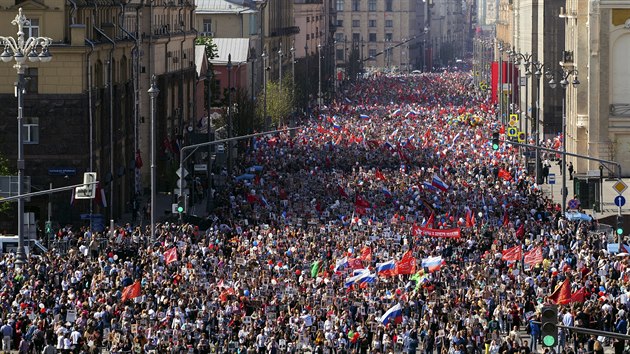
column 594, row 332
column 183, row 157
column 590, row 158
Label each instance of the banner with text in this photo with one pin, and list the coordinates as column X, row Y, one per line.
column 441, row 233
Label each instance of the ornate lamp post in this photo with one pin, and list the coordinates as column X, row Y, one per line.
column 153, row 93
column 319, row 81
column 537, row 67
column 19, row 50
column 563, row 74
column 280, row 66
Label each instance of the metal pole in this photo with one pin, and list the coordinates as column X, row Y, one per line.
column 537, row 124
column 500, row 83
column 50, row 204
column 19, row 85
column 564, row 149
column 266, row 123
column 229, row 122
column 210, row 127
column 280, row 66
column 111, row 134
column 319, row 82
column 153, row 93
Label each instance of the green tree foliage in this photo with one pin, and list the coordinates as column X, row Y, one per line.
column 4, row 171
column 280, row 101
column 211, row 53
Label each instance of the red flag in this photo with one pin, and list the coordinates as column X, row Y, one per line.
column 366, row 254
column 505, row 174
column 520, row 232
column 407, row 265
column 506, row 219
column 415, row 229
column 360, row 202
column 562, row 294
column 379, row 176
column 131, row 292
column 342, row 191
column 355, row 263
column 469, row 219
column 224, row 295
column 431, row 220
column 512, row 254
column 578, row 296
column 170, row 256
column 426, row 138
column 533, row 257
column 251, row 199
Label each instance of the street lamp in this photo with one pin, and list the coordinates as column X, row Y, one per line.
column 264, row 60
column 19, row 50
column 500, row 81
column 153, row 93
column 526, row 60
column 229, row 122
column 280, row 66
column 210, row 127
column 319, row 82
column 537, row 67
column 563, row 74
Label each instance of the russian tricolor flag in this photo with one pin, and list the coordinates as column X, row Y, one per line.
column 386, row 269
column 336, row 126
column 387, row 193
column 439, row 184
column 364, row 116
column 396, row 112
column 341, row 264
column 432, row 263
column 394, row 314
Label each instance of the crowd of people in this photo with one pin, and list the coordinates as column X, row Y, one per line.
column 387, row 224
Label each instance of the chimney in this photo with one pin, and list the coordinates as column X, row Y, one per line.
column 77, row 34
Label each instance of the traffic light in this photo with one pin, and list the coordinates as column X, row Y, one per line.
column 48, row 227
column 549, row 325
column 181, row 204
column 619, row 225
column 495, row 141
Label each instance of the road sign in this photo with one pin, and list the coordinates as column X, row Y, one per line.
column 521, row 137
column 620, row 186
column 573, row 204
column 181, row 172
column 620, row 201
column 512, row 132
column 551, row 179
column 88, row 190
column 513, row 120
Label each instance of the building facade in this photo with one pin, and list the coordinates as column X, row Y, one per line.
column 88, row 108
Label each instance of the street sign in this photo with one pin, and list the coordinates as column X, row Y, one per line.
column 620, row 201
column 181, row 183
column 573, row 204
column 87, row 191
column 551, row 179
column 512, row 132
column 181, row 172
column 513, row 120
column 521, row 137
column 620, row 186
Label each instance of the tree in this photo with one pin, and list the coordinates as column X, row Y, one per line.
column 211, row 53
column 4, row 171
column 280, row 102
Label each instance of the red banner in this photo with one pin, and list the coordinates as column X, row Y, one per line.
column 441, row 233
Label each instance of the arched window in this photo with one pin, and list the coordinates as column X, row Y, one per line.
column 621, row 78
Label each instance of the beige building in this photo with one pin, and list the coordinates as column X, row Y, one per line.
column 88, row 108
column 311, row 20
column 376, row 30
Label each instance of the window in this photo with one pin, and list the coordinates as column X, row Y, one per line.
column 207, row 25
column 356, row 23
column 371, row 23
column 339, row 37
column 339, row 54
column 31, row 130
column 339, row 5
column 389, row 5
column 253, row 24
column 307, row 37
column 32, row 29
column 371, row 5
column 339, row 23
column 30, row 76
column 356, row 37
column 372, row 54
column 389, row 37
column 389, row 23
column 356, row 5
column 308, row 19
column 372, row 37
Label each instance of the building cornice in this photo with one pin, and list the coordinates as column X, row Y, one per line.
column 614, row 4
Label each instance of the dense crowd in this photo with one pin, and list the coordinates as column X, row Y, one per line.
column 389, row 224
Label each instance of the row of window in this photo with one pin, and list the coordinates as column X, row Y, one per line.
column 371, row 23
column 312, row 18
column 371, row 5
column 356, row 37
